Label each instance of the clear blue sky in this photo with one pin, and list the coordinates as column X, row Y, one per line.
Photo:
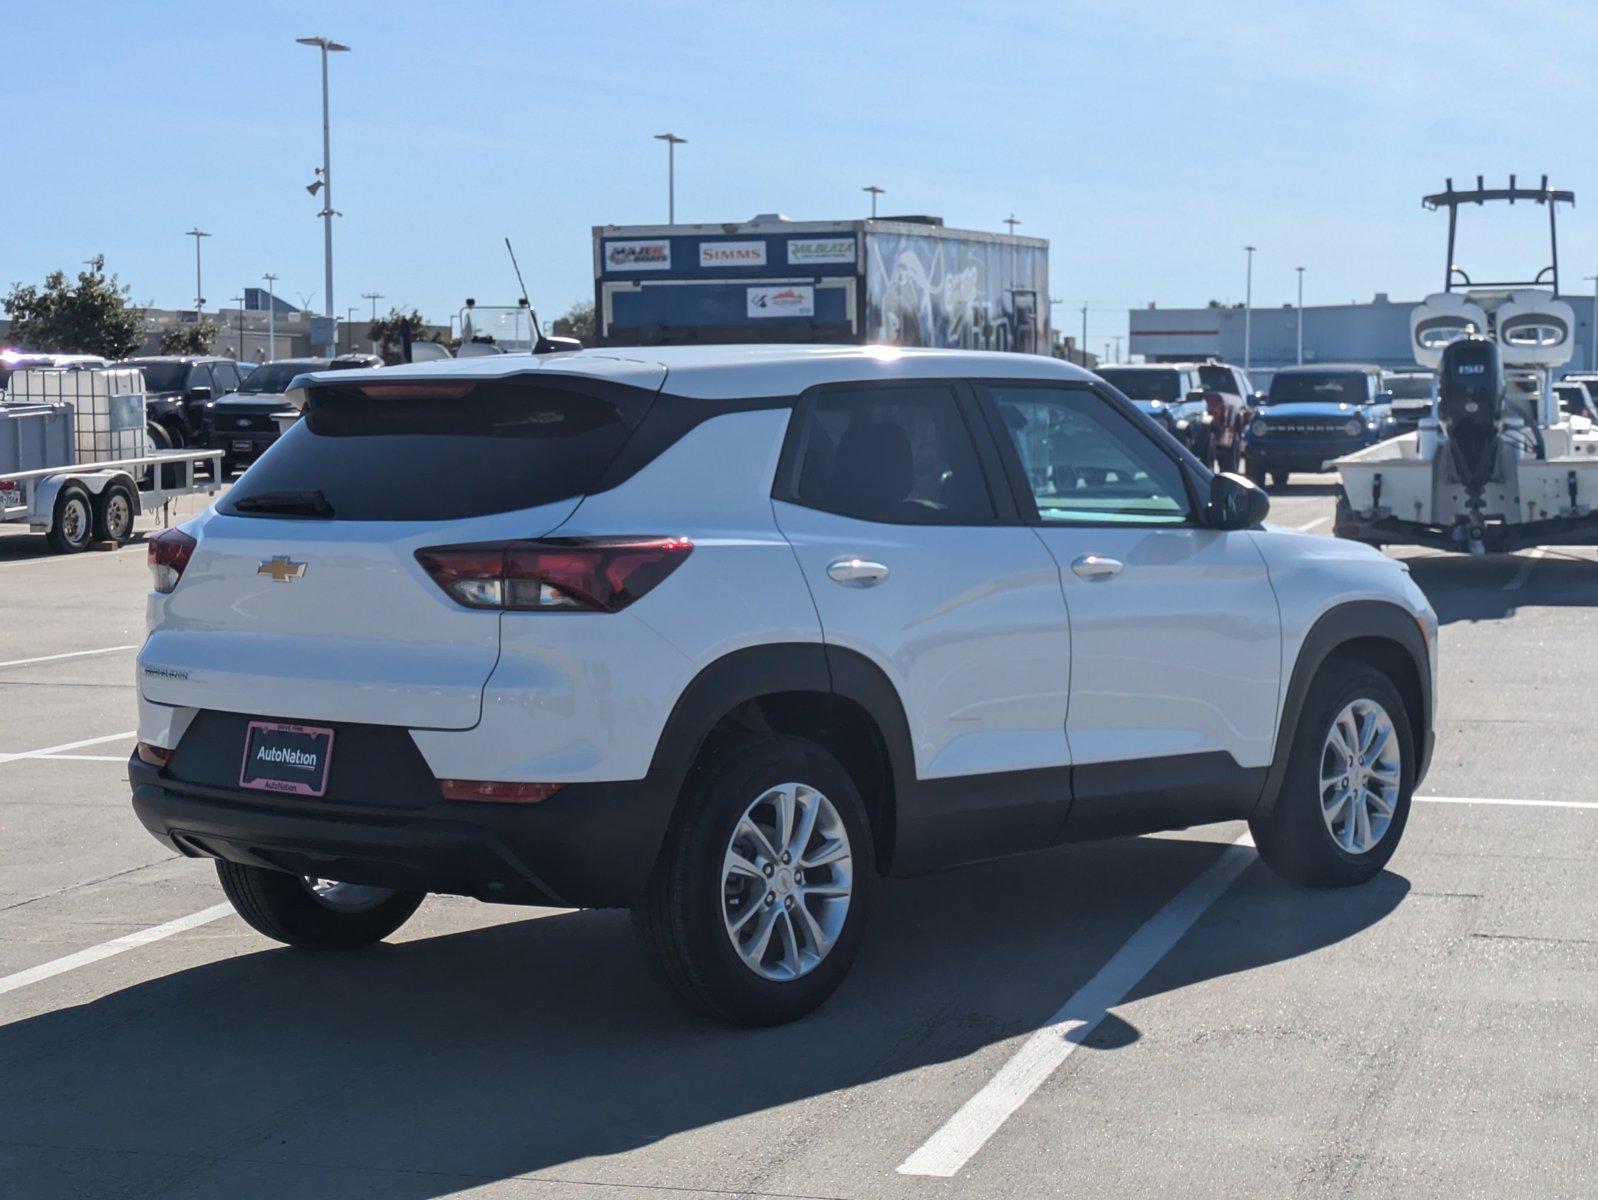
column 1148, row 142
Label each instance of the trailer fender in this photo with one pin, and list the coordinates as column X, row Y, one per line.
column 46, row 490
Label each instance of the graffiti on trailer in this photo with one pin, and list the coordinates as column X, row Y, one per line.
column 933, row 291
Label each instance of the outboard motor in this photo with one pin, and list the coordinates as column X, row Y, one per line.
column 1470, row 407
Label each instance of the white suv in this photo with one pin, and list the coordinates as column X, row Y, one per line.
column 722, row 634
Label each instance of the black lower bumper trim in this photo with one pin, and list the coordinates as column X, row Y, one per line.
column 1496, row 537
column 591, row 845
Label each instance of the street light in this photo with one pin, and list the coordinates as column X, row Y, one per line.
column 374, row 297
column 1300, row 271
column 672, row 142
column 1248, row 312
column 1012, row 222
column 199, row 293
column 326, row 46
column 271, row 316
column 239, row 300
column 875, row 192
column 1592, row 343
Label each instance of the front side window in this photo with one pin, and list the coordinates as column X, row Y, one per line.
column 200, row 377
column 895, row 454
column 1084, row 462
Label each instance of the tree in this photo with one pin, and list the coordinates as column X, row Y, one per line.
column 189, row 339
column 393, row 331
column 91, row 317
column 578, row 323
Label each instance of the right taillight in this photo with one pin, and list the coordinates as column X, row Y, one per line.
column 599, row 574
column 168, row 552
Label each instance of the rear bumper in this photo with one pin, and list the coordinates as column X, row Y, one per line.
column 1496, row 537
column 591, row 845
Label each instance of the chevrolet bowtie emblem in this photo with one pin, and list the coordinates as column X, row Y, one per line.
column 281, row 568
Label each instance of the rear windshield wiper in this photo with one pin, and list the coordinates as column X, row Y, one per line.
column 287, row 504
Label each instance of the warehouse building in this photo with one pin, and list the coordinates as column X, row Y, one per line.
column 1377, row 332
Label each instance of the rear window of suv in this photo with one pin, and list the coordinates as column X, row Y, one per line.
column 439, row 450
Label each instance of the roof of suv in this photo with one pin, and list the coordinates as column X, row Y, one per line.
column 1322, row 368
column 732, row 372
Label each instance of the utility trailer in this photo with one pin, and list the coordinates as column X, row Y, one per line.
column 903, row 281
column 52, row 478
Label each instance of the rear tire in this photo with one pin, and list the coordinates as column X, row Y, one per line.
column 72, row 526
column 1306, row 837
column 286, row 909
column 691, row 921
column 113, row 514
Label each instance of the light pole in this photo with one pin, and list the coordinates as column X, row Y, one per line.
column 1248, row 312
column 239, row 300
column 1300, row 271
column 271, row 316
column 374, row 297
column 875, row 192
column 1084, row 333
column 672, row 142
column 326, row 46
column 349, row 321
column 199, row 293
column 1012, row 222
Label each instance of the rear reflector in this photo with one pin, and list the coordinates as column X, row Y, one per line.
column 503, row 793
column 602, row 574
column 155, row 756
column 167, row 553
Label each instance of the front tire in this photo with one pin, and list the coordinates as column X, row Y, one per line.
column 1345, row 796
column 758, row 905
column 72, row 524
column 1279, row 478
column 314, row 914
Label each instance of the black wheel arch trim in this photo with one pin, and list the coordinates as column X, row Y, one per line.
column 1340, row 626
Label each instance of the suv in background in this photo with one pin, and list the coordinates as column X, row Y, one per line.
column 1411, row 392
column 1227, row 399
column 176, row 389
column 722, row 634
column 1576, row 398
column 243, row 424
column 1171, row 393
column 1312, row 415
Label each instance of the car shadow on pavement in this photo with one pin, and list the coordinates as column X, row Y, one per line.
column 423, row 1066
column 1465, row 588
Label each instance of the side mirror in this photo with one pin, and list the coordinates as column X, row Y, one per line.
column 200, row 393
column 1384, row 397
column 1236, row 502
column 1196, row 396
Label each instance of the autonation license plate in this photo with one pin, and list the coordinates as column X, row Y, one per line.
column 286, row 758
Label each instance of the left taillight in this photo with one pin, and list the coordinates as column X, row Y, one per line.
column 168, row 552
column 600, row 574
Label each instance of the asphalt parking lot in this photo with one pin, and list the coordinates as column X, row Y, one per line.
column 1142, row 1017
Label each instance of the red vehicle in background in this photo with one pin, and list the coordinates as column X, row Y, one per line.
column 1227, row 396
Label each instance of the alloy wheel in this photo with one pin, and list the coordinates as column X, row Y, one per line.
column 1361, row 771
column 786, row 881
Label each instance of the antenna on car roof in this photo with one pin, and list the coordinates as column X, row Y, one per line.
column 541, row 344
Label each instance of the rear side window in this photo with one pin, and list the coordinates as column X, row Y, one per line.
column 892, row 454
column 439, row 450
column 1219, row 379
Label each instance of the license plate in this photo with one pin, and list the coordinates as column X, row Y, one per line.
column 286, row 758
column 243, row 446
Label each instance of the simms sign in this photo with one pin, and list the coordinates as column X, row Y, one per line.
column 732, row 254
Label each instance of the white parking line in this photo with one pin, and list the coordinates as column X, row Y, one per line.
column 128, row 941
column 979, row 1118
column 28, row 662
column 1315, row 524
column 116, row 758
column 1527, row 563
column 1515, row 803
column 47, row 751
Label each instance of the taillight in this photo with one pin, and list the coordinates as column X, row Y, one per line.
column 600, row 574
column 168, row 552
column 153, row 755
column 497, row 792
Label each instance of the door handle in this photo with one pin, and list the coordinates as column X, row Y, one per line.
column 1096, row 566
column 856, row 572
